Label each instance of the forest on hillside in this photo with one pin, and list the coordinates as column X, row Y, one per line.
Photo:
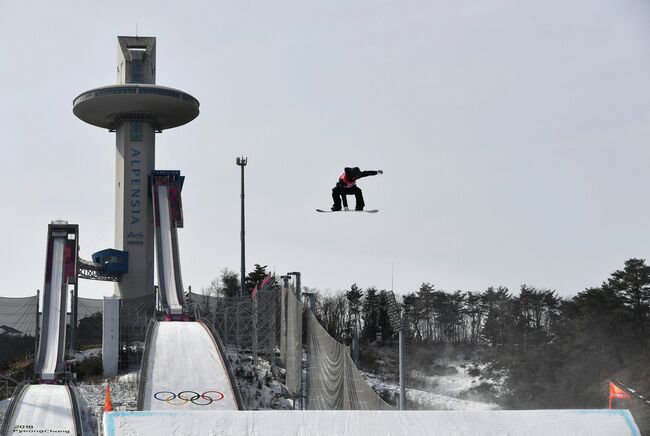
column 557, row 352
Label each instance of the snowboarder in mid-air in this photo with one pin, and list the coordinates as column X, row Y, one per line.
column 347, row 186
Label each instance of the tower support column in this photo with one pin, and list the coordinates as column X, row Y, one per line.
column 134, row 161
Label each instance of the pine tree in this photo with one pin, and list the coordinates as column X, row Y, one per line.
column 632, row 284
column 369, row 315
column 353, row 297
column 254, row 277
column 229, row 283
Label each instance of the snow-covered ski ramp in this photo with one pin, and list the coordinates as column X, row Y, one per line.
column 185, row 369
column 365, row 423
column 44, row 410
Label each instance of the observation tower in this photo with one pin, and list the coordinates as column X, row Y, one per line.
column 135, row 109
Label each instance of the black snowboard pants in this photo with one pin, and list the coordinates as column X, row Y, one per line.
column 341, row 192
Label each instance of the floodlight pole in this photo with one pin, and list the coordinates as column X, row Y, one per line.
column 242, row 161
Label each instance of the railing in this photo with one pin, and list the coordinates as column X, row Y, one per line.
column 132, row 90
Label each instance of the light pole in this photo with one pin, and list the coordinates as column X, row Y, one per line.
column 242, row 161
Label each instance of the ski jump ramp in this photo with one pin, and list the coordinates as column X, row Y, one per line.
column 60, row 270
column 51, row 408
column 43, row 410
column 185, row 368
column 166, row 188
column 366, row 423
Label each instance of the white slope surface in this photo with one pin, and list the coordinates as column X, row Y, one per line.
column 43, row 410
column 54, row 316
column 366, row 423
column 183, row 357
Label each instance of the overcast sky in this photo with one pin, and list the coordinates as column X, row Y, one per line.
column 514, row 137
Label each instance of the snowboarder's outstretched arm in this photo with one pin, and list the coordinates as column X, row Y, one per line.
column 370, row 173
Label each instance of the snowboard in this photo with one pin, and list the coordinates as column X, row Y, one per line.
column 351, row 210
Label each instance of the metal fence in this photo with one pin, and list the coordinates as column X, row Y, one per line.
column 135, row 314
column 236, row 319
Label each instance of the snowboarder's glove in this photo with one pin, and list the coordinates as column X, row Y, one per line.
column 380, row 172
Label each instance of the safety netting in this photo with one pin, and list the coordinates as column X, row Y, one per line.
column 18, row 320
column 291, row 346
column 89, row 321
column 135, row 314
column 18, row 316
column 283, row 325
column 89, row 307
column 335, row 383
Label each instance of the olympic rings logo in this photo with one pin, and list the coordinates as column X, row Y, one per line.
column 184, row 397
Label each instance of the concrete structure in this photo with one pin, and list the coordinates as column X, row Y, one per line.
column 135, row 109
column 111, row 336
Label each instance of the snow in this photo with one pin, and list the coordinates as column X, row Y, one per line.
column 86, row 354
column 261, row 389
column 438, row 392
column 258, row 384
column 44, row 409
column 185, row 370
column 350, row 423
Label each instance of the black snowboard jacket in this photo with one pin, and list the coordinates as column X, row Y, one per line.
column 351, row 175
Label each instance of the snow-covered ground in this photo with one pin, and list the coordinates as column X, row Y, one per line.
column 124, row 392
column 454, row 388
column 261, row 388
column 86, row 354
column 259, row 385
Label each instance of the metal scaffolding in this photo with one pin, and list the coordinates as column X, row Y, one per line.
column 135, row 314
column 234, row 320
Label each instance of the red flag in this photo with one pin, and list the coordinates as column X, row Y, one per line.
column 254, row 294
column 618, row 393
column 266, row 281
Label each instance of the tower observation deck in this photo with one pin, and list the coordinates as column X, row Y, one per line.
column 135, row 109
